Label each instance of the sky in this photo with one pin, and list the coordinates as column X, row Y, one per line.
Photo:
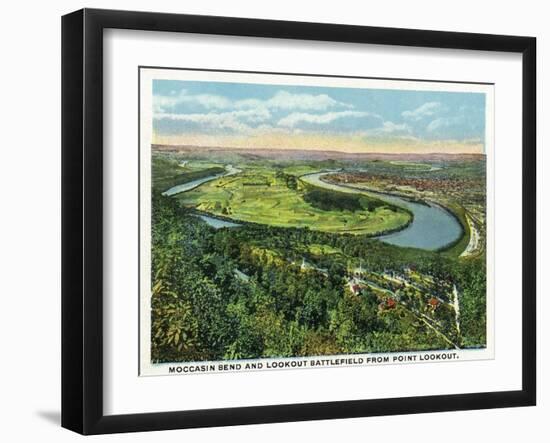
column 244, row 115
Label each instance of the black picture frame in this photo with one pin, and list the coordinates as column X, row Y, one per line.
column 82, row 220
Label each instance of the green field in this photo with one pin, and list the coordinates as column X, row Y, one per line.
column 410, row 166
column 320, row 250
column 260, row 195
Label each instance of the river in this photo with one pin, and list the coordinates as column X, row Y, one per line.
column 433, row 227
column 229, row 170
column 217, row 223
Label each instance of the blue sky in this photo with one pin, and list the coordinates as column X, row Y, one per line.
column 236, row 111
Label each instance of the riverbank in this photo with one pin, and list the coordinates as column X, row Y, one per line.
column 461, row 246
column 433, row 227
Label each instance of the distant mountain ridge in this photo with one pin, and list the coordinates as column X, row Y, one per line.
column 305, row 154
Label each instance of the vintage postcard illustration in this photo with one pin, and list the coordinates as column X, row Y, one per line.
column 299, row 221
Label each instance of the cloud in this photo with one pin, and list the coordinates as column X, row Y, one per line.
column 184, row 111
column 389, row 127
column 296, row 118
column 426, row 110
column 440, row 123
column 467, row 120
column 286, row 111
column 209, row 101
column 285, row 100
column 388, row 130
column 282, row 100
column 433, row 120
column 162, row 103
column 233, row 121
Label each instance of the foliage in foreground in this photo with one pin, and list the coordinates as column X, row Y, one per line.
column 203, row 309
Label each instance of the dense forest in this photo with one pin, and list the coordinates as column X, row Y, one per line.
column 328, row 201
column 235, row 293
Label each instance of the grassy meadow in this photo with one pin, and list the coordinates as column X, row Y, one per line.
column 260, row 195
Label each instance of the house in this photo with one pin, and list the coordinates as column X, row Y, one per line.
column 433, row 303
column 387, row 304
column 354, row 287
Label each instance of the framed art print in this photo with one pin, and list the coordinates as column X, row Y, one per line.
column 277, row 221
column 313, row 217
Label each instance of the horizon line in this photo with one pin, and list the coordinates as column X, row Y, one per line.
column 232, row 148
